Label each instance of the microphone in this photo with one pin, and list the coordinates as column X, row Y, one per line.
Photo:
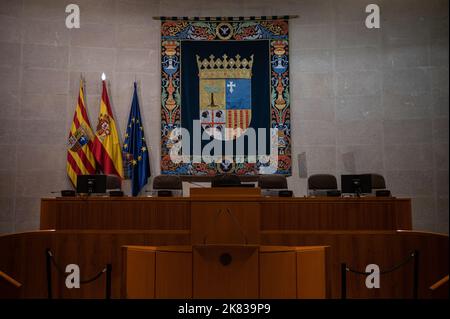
column 65, row 193
column 151, row 192
column 162, row 192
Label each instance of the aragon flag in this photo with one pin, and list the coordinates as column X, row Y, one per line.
column 107, row 149
column 135, row 150
column 80, row 158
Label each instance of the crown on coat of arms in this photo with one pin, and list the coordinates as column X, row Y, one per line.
column 279, row 47
column 225, row 67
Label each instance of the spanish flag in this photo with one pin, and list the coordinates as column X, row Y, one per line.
column 80, row 157
column 107, row 149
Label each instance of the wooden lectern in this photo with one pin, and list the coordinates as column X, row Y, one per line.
column 224, row 271
column 225, row 259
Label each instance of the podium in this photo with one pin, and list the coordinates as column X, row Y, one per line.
column 224, row 259
column 224, row 271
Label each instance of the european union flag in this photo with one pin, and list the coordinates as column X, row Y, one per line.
column 137, row 167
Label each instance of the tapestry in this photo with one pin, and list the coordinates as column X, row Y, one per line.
column 225, row 96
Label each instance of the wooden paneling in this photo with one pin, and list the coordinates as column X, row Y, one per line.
column 293, row 272
column 385, row 248
column 174, row 273
column 278, row 275
column 336, row 214
column 138, row 281
column 251, row 271
column 207, row 192
column 23, row 258
column 311, row 272
column 215, row 280
column 157, row 272
column 63, row 213
column 225, row 223
column 115, row 213
column 275, row 213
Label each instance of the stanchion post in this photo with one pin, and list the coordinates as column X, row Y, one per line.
column 48, row 266
column 108, row 281
column 343, row 281
column 416, row 275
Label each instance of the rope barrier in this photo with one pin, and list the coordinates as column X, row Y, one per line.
column 64, row 274
column 412, row 256
column 51, row 261
column 393, row 268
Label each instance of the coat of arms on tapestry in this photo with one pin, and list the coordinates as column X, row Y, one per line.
column 225, row 96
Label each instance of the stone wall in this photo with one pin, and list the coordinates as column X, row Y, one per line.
column 362, row 100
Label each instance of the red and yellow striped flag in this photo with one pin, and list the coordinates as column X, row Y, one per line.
column 107, row 149
column 80, row 157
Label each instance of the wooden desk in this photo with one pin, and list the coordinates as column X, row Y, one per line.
column 174, row 213
column 370, row 213
column 143, row 213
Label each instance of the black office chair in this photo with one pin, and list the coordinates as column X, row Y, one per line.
column 272, row 182
column 113, row 182
column 225, row 180
column 167, row 182
column 378, row 181
column 323, row 185
column 167, row 185
column 379, row 186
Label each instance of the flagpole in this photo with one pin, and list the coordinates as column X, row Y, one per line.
column 83, row 82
